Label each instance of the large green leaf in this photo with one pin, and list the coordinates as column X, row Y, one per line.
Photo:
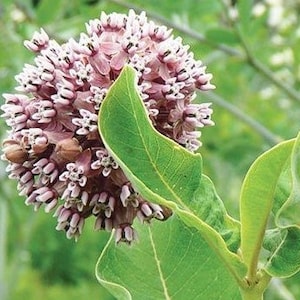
column 207, row 205
column 272, row 186
column 156, row 165
column 171, row 261
column 289, row 214
column 164, row 172
column 284, row 259
column 257, row 199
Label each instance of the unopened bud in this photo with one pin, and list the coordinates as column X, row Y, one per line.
column 68, row 149
column 40, row 146
column 14, row 152
column 167, row 213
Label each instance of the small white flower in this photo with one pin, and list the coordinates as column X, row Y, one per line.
column 88, row 122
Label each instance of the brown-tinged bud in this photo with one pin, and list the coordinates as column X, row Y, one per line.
column 167, row 213
column 40, row 143
column 40, row 148
column 14, row 152
column 68, row 149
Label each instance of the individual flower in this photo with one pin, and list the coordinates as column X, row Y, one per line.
column 54, row 149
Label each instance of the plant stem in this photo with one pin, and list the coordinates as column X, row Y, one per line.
column 256, row 64
column 270, row 137
column 182, row 28
column 252, row 295
column 263, row 70
column 255, row 290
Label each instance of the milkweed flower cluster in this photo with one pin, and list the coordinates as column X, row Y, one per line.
column 54, row 150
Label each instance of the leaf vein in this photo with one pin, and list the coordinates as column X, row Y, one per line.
column 161, row 277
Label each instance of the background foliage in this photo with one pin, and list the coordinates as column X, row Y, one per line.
column 255, row 63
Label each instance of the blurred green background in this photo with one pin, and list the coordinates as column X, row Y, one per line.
column 255, row 60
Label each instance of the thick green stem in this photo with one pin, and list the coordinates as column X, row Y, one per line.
column 255, row 290
column 252, row 295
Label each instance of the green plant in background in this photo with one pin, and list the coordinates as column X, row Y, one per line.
column 200, row 232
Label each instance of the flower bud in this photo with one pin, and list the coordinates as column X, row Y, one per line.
column 14, row 152
column 68, row 149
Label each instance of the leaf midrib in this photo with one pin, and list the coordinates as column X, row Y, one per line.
column 172, row 192
column 157, row 262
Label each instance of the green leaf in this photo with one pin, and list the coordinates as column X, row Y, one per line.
column 222, row 35
column 173, row 172
column 160, row 170
column 170, row 261
column 284, row 259
column 279, row 168
column 209, row 207
column 256, row 202
column 289, row 214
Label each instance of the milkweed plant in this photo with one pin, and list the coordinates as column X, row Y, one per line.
column 106, row 127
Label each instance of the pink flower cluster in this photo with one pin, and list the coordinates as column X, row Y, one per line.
column 54, row 149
